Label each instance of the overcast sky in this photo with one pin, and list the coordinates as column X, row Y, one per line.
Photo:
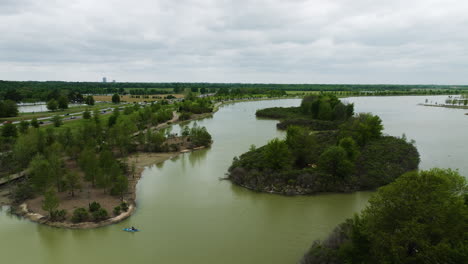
column 267, row 41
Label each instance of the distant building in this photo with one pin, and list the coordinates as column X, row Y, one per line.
column 104, row 79
column 113, row 81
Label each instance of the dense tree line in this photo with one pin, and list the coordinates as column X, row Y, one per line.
column 318, row 112
column 8, row 108
column 32, row 91
column 420, row 218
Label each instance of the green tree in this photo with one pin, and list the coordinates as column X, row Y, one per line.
column 72, row 182
column 277, row 155
column 89, row 100
column 8, row 108
column 121, row 186
column 301, row 142
column 52, row 105
column 23, row 126
column 334, row 161
column 420, row 218
column 89, row 164
column 56, row 120
column 62, row 102
column 9, row 130
column 50, row 202
column 115, row 99
column 34, row 123
column 325, row 111
column 362, row 128
column 86, row 114
column 351, row 148
column 56, row 164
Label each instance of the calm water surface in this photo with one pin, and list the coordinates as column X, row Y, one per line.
column 188, row 216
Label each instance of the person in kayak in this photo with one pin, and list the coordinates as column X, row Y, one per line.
column 132, row 228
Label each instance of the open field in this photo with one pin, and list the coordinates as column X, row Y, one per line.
column 135, row 98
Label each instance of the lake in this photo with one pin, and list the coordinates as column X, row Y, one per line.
column 187, row 215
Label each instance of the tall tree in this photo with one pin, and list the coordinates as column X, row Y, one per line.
column 50, row 202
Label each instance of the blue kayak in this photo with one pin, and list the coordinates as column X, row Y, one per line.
column 131, row 230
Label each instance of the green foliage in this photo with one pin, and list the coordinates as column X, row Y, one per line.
column 362, row 128
column 94, row 206
column 80, row 215
column 34, row 122
column 351, row 148
column 50, row 202
column 52, row 105
column 419, row 218
column 23, row 191
column 277, row 155
column 39, row 169
column 199, row 136
column 117, row 210
column 23, row 126
column 196, row 105
column 115, row 98
column 58, row 215
column 120, row 186
column 57, row 120
column 72, row 182
column 89, row 100
column 100, row 214
column 335, row 161
column 9, row 130
column 301, row 143
column 124, row 206
column 86, row 114
column 62, row 102
column 8, row 108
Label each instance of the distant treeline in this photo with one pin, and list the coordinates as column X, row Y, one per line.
column 39, row 91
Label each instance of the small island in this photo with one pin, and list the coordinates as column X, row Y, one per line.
column 327, row 149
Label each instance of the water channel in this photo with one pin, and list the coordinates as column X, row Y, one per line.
column 188, row 216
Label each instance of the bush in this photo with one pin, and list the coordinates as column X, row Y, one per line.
column 94, row 206
column 124, row 206
column 117, row 210
column 185, row 116
column 58, row 215
column 100, row 214
column 22, row 192
column 80, row 215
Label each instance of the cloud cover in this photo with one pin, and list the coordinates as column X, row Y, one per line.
column 269, row 41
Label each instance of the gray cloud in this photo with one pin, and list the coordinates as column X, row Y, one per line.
column 295, row 41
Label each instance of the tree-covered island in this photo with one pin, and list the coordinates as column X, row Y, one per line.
column 327, row 148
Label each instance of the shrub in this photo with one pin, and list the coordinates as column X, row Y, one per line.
column 22, row 192
column 124, row 206
column 94, row 206
column 80, row 215
column 100, row 214
column 117, row 210
column 58, row 215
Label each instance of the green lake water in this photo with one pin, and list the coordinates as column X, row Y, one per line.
column 187, row 215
